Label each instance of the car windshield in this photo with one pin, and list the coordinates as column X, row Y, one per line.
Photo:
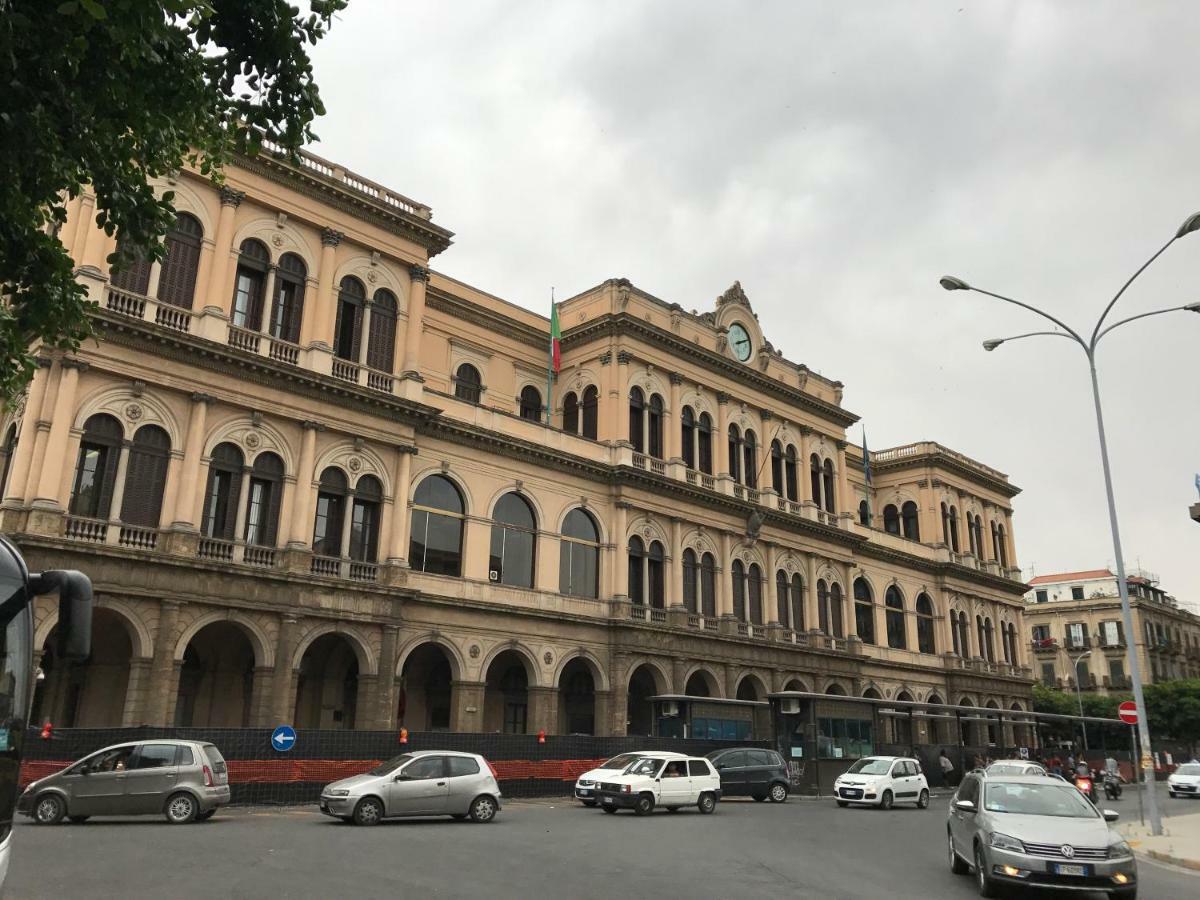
column 1058, row 800
column 870, row 767
column 644, row 767
column 1189, row 769
column 1011, row 770
column 619, row 762
column 391, row 765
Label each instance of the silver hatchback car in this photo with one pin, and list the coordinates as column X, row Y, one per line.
column 184, row 781
column 423, row 783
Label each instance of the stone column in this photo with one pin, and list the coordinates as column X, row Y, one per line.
column 243, row 507
column 316, row 329
column 164, row 679
column 675, row 595
column 804, row 466
column 301, row 525
column 385, row 685
column 466, row 706
column 603, row 713
column 183, row 513
column 841, row 488
column 281, row 679
column 415, row 322
column 673, row 420
column 287, row 508
column 29, row 434
column 137, row 692
column 264, row 322
column 721, row 438
column 218, row 299
column 54, row 457
column 543, row 710
column 812, row 615
column 365, row 333
column 398, row 533
column 607, row 428
column 84, row 225
column 620, row 407
column 171, row 490
column 204, row 269
column 260, row 699
column 1009, row 544
column 771, row 591
column 620, row 570
column 118, row 494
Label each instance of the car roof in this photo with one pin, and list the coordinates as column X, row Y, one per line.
column 417, row 753
column 1027, row 779
column 658, row 754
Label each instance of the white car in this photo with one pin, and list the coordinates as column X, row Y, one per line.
column 1185, row 781
column 883, row 781
column 587, row 784
column 660, row 780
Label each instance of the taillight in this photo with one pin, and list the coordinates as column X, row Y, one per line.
column 491, row 769
column 626, row 789
column 208, row 776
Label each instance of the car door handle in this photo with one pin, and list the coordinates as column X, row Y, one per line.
column 441, row 784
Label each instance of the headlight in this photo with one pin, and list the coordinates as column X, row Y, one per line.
column 339, row 792
column 1004, row 842
column 1119, row 848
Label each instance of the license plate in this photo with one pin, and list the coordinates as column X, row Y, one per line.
column 584, row 792
column 1063, row 869
column 608, row 800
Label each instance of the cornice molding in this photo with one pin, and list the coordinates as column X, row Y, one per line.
column 443, row 301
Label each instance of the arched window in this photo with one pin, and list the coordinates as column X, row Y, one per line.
column 381, row 343
column 750, row 454
column 347, row 333
column 789, row 473
column 754, row 583
column 827, row 484
column 781, row 597
column 249, row 283
column 133, row 276
column 691, row 580
column 514, row 533
column 591, row 410
column 864, row 611
column 925, row 633
column 964, row 635
column 437, row 527
column 909, row 521
column 579, row 556
column 989, row 639
column 364, row 519
column 777, row 467
column 331, row 513
column 654, row 427
column 704, row 457
column 637, row 569
column 797, row 598
column 836, row 618
column 946, row 524
column 981, row 637
column 1003, row 546
column 656, row 575
column 531, row 403
column 222, row 493
column 646, row 573
column 823, row 606
column 735, row 453
column 1005, row 644
column 891, row 519
column 570, row 413
column 468, row 385
column 897, row 632
column 637, row 419
column 8, row 451
column 266, row 492
column 287, row 307
column 177, row 277
column 814, row 473
column 687, row 436
column 971, row 541
column 708, row 586
column 954, row 634
column 146, row 476
column 738, row 578
column 954, row 528
column 864, row 514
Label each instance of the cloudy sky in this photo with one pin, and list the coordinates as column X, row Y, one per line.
column 837, row 159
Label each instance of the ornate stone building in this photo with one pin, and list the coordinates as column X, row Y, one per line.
column 313, row 481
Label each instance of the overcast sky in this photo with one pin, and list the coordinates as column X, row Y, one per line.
column 837, row 159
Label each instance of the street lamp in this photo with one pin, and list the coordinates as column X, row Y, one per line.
column 1078, row 683
column 951, row 283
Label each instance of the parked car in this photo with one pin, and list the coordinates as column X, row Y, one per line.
column 882, row 781
column 761, row 774
column 1016, row 767
column 1036, row 833
column 672, row 782
column 1185, row 781
column 423, row 783
column 586, row 784
column 184, row 781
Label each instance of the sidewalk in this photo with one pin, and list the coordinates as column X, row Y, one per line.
column 1179, row 843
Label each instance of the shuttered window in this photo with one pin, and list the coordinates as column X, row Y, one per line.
column 381, row 346
column 96, row 468
column 177, row 279
column 133, row 277
column 221, row 497
column 146, row 477
column 331, row 508
column 249, row 284
column 262, row 501
column 288, row 303
column 347, row 334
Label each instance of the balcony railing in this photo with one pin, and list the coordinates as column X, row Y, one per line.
column 94, row 531
column 326, row 565
column 137, row 536
column 345, row 370
column 363, row 571
column 1044, row 645
column 137, row 306
column 100, row 531
column 260, row 556
column 215, row 549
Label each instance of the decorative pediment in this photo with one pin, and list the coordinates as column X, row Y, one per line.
column 736, row 295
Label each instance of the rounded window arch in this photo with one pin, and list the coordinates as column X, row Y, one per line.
column 570, row 412
column 225, row 469
column 96, row 466
column 754, row 587
column 925, row 625
column 514, row 536
column 177, row 277
column 864, row 611
column 530, row 403
column 814, row 476
column 250, row 280
column 790, row 466
column 864, row 514
column 777, row 467
column 365, row 519
column 827, row 486
column 381, row 343
column 579, row 555
column 263, row 499
column 468, row 385
column 687, row 432
column 891, row 519
column 910, row 523
column 328, row 523
column 146, row 477
column 691, row 581
column 738, row 579
column 704, row 453
column 782, row 591
column 435, row 544
column 750, row 458
column 637, row 419
column 287, row 306
column 654, row 427
column 347, row 332
column 735, row 453
column 708, row 586
column 591, row 411
column 837, row 608
column 897, row 630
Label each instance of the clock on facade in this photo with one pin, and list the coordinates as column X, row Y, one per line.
column 739, row 340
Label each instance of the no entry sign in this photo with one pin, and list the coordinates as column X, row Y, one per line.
column 1128, row 712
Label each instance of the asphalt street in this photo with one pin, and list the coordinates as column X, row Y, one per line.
column 534, row 849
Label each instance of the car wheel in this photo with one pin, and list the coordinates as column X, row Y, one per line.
column 610, row 809
column 923, row 800
column 483, row 809
column 957, row 865
column 779, row 793
column 206, row 815
column 759, row 798
column 983, row 878
column 180, row 808
column 707, row 804
column 368, row 811
column 885, row 802
column 644, row 805
column 49, row 809
column 843, row 803
column 77, row 820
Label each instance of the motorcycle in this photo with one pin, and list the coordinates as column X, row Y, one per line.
column 1086, row 786
column 1112, row 786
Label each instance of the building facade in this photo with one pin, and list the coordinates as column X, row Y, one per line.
column 315, row 482
column 1077, row 634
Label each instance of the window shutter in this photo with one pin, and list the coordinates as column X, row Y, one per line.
column 227, row 528
column 108, row 478
column 145, row 478
column 177, row 280
column 294, row 314
column 271, row 526
column 135, row 278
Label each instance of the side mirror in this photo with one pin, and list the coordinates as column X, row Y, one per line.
column 74, row 591
column 964, row 806
column 403, row 777
column 720, row 766
column 1111, row 815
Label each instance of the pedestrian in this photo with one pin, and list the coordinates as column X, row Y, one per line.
column 1070, row 762
column 947, row 768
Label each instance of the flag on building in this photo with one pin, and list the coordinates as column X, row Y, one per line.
column 555, row 340
column 867, row 460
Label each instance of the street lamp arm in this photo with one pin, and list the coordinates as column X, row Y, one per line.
column 1113, row 302
column 996, row 342
column 1157, row 312
column 1045, row 315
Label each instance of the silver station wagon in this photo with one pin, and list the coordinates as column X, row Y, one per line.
column 184, row 781
column 424, row 783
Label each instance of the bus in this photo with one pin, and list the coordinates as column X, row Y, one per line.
column 18, row 587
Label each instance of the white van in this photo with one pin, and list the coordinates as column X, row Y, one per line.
column 659, row 779
column 587, row 785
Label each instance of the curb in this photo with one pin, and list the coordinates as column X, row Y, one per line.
column 1159, row 856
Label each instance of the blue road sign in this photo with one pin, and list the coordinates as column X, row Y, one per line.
column 283, row 738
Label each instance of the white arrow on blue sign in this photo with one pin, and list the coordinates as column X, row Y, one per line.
column 283, row 738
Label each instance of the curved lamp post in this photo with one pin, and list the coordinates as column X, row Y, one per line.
column 951, row 283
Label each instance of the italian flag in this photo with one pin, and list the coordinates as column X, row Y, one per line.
column 555, row 340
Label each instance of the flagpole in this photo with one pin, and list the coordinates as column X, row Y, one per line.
column 550, row 362
column 867, row 485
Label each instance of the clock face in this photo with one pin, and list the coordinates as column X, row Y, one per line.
column 739, row 340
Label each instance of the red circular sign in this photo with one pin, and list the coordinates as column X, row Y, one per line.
column 1128, row 712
